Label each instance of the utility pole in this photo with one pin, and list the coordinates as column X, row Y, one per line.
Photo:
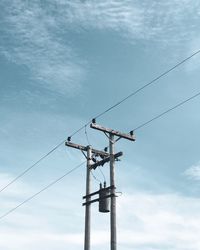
column 88, row 206
column 89, row 167
column 110, row 133
column 113, row 230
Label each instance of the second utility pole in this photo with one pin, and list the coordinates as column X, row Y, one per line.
column 88, row 206
column 90, row 152
column 113, row 229
column 110, row 133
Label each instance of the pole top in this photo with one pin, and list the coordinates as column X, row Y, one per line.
column 129, row 136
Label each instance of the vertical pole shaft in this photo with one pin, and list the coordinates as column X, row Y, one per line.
column 88, row 206
column 113, row 238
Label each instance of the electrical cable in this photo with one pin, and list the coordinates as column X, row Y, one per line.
column 42, row 190
column 139, row 127
column 102, row 113
column 167, row 111
column 104, row 178
column 164, row 113
column 96, row 179
column 32, row 166
column 86, row 135
column 138, row 90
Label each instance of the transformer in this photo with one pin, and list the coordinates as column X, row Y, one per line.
column 104, row 200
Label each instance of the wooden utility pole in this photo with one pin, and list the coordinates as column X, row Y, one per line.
column 88, row 206
column 111, row 134
column 88, row 202
column 113, row 229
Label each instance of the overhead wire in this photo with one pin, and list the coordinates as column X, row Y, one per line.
column 138, row 90
column 102, row 113
column 148, row 84
column 93, row 175
column 103, row 175
column 95, row 178
column 167, row 111
column 164, row 113
column 32, row 166
column 42, row 190
column 86, row 135
column 137, row 128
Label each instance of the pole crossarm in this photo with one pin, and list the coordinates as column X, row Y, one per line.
column 107, row 159
column 130, row 136
column 98, row 199
column 84, row 148
column 97, row 192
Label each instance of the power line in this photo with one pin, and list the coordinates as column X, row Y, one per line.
column 137, row 128
column 138, row 90
column 94, row 176
column 164, row 113
column 86, row 135
column 167, row 111
column 102, row 113
column 32, row 166
column 104, row 178
column 42, row 190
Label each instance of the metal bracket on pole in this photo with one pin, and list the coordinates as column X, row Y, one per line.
column 107, row 159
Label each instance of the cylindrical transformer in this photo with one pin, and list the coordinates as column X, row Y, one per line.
column 104, row 200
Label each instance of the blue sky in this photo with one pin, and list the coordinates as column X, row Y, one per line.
column 63, row 62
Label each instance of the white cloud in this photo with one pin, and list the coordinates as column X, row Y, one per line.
column 193, row 46
column 40, row 240
column 145, row 221
column 29, row 226
column 193, row 172
column 159, row 221
column 30, row 38
column 149, row 20
column 37, row 34
column 19, row 190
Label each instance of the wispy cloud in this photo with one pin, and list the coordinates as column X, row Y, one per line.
column 193, row 172
column 149, row 20
column 36, row 34
column 40, row 240
column 30, row 38
column 145, row 221
column 163, row 221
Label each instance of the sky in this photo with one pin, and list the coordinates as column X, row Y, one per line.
column 61, row 64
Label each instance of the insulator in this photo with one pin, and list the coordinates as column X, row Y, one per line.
column 104, row 201
column 69, row 138
column 94, row 120
column 94, row 160
column 131, row 132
